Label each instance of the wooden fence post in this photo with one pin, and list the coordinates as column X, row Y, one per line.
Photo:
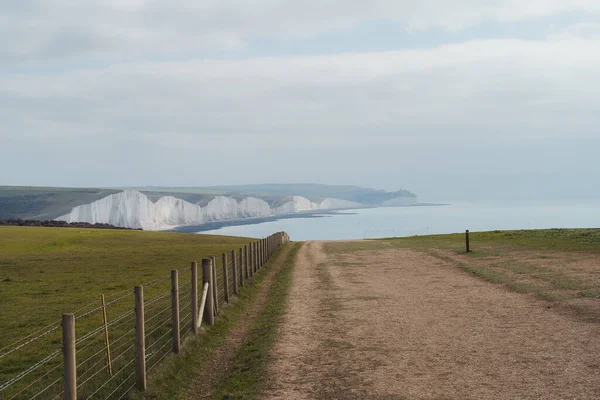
column 246, row 261
column 175, row 311
column 250, row 259
column 194, row 297
column 225, row 278
column 468, row 242
column 140, row 339
column 69, row 357
column 234, row 273
column 207, row 277
column 256, row 257
column 242, row 263
column 215, row 291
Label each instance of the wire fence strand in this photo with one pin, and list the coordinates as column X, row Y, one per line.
column 107, row 345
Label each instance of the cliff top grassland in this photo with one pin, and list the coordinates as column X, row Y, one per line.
column 45, row 272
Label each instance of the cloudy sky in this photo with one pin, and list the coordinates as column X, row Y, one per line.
column 450, row 99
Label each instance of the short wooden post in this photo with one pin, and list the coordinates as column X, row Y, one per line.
column 175, row 311
column 194, row 297
column 140, row 339
column 207, row 274
column 69, row 357
column 468, row 242
column 225, row 278
column 234, row 272
column 215, row 285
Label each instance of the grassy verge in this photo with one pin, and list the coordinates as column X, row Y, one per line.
column 249, row 370
column 171, row 379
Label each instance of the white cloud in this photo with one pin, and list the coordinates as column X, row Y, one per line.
column 518, row 88
column 76, row 30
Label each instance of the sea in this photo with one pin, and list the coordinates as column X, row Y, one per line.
column 427, row 220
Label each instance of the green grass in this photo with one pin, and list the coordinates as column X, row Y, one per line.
column 45, row 272
column 498, row 242
column 488, row 274
column 172, row 380
column 249, row 370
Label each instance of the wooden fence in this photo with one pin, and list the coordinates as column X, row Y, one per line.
column 106, row 360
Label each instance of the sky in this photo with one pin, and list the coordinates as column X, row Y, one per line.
column 453, row 100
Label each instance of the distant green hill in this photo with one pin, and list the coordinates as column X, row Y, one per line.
column 30, row 202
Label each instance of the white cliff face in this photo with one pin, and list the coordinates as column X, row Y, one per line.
column 132, row 209
column 333, row 204
column 299, row 204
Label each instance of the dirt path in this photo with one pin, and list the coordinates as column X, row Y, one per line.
column 397, row 324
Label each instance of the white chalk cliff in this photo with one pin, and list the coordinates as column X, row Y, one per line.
column 132, row 209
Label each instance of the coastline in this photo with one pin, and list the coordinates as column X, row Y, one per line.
column 216, row 225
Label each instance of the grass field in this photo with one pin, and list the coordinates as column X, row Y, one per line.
column 561, row 266
column 45, row 272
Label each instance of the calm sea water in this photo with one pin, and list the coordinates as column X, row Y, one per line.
column 409, row 221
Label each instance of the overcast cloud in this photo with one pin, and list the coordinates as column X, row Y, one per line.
column 468, row 100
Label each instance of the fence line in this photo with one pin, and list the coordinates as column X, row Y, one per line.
column 117, row 351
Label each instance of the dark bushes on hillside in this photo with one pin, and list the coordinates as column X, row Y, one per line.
column 58, row 224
